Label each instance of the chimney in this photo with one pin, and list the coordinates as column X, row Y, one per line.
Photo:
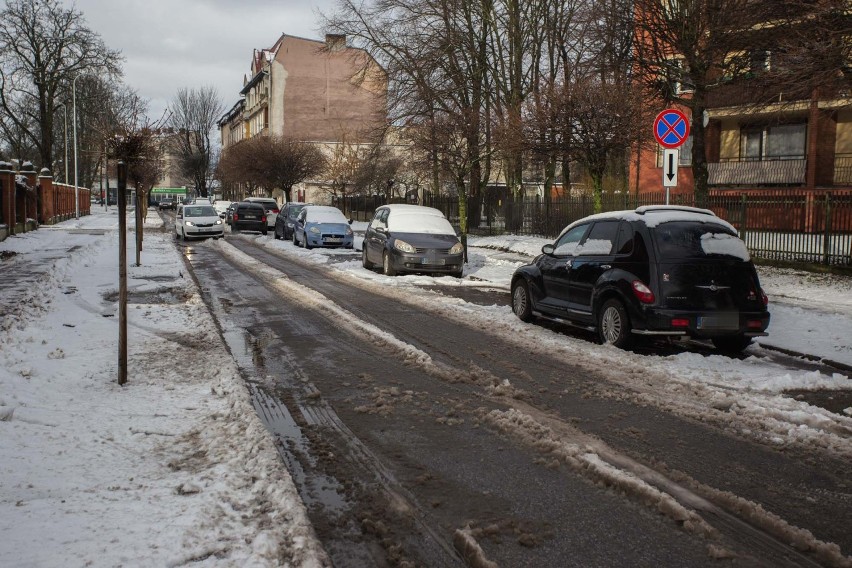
column 335, row 42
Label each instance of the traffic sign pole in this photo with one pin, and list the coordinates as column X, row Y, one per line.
column 671, row 129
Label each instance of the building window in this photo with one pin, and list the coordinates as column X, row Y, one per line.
column 781, row 142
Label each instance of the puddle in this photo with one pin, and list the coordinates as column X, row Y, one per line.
column 315, row 488
column 158, row 296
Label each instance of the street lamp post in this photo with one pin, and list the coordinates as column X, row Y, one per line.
column 65, row 136
column 74, row 119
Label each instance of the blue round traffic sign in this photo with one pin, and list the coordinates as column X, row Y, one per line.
column 671, row 128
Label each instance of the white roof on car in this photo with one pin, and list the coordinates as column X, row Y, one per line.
column 405, row 208
column 653, row 215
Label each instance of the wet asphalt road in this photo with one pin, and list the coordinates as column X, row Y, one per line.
column 397, row 461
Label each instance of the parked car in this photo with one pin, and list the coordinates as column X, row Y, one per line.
column 166, row 203
column 229, row 212
column 198, row 221
column 221, row 208
column 412, row 238
column 322, row 226
column 271, row 207
column 249, row 216
column 286, row 218
column 660, row 271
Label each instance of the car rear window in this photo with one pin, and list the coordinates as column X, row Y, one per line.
column 685, row 239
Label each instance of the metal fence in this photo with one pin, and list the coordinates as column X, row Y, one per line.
column 803, row 227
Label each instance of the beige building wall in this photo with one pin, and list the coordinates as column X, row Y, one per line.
column 843, row 144
column 729, row 140
column 320, row 92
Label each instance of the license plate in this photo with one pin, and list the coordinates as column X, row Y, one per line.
column 250, row 216
column 334, row 240
column 435, row 261
column 719, row 321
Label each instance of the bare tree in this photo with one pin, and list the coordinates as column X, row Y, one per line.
column 270, row 162
column 194, row 114
column 43, row 47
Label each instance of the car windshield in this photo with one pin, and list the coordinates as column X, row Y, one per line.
column 685, row 239
column 419, row 223
column 325, row 215
column 200, row 211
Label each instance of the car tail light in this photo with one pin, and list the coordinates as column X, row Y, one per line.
column 263, row 218
column 642, row 292
column 274, row 211
column 764, row 298
column 680, row 322
column 234, row 217
column 754, row 324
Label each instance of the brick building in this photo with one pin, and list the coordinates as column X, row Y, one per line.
column 322, row 92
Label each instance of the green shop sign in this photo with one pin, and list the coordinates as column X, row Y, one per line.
column 168, row 190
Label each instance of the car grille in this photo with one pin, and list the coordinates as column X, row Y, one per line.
column 204, row 224
column 428, row 250
column 332, row 236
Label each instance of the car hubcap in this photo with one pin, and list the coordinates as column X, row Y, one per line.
column 611, row 325
column 519, row 300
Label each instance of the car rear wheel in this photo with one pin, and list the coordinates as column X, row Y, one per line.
column 387, row 265
column 614, row 325
column 521, row 304
column 264, row 231
column 275, row 234
column 732, row 343
column 364, row 261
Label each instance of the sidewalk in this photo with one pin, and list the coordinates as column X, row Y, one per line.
column 175, row 466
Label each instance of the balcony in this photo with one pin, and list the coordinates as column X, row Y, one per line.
column 759, row 172
column 843, row 169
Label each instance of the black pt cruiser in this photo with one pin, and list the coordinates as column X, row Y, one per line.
column 654, row 271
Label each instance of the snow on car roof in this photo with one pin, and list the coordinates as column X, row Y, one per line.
column 408, row 208
column 324, row 214
column 653, row 215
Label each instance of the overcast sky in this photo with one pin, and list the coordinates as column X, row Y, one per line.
column 172, row 44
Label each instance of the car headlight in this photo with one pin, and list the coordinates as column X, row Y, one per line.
column 189, row 224
column 457, row 249
column 218, row 221
column 348, row 230
column 403, row 246
column 314, row 230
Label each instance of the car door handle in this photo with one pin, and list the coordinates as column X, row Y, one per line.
column 606, row 266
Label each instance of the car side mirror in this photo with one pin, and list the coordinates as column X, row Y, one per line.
column 351, row 221
column 548, row 249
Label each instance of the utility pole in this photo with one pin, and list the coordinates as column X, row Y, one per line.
column 122, row 272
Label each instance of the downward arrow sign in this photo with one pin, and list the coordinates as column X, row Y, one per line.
column 670, row 163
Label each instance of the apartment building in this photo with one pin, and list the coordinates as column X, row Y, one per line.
column 323, row 92
column 763, row 135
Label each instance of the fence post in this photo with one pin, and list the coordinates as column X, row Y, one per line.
column 743, row 213
column 826, row 240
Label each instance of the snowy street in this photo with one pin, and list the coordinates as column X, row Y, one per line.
column 270, row 388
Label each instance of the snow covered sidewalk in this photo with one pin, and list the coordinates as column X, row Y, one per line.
column 174, row 467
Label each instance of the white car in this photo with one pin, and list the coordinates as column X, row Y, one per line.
column 271, row 207
column 198, row 221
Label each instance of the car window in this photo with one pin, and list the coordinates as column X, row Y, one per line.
column 267, row 205
column 600, row 239
column 294, row 211
column 624, row 244
column 200, row 211
column 568, row 242
column 686, row 239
